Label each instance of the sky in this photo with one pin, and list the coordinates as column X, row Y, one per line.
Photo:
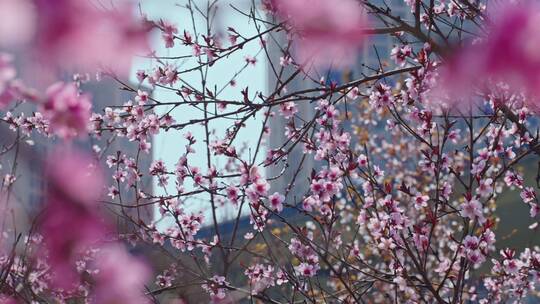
column 169, row 146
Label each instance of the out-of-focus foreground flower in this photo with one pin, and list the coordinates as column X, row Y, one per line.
column 121, row 277
column 17, row 22
column 509, row 52
column 67, row 110
column 73, row 225
column 329, row 33
column 83, row 35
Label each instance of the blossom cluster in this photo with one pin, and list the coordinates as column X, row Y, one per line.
column 386, row 186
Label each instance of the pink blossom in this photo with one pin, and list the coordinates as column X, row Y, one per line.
column 362, row 160
column 288, row 109
column 216, row 287
column 381, row 96
column 400, row 54
column 353, row 93
column 67, row 110
column 169, row 32
column 285, row 61
column 420, row 201
column 276, row 201
column 145, row 146
column 260, row 187
column 7, row 300
column 121, row 277
column 310, row 202
column 142, row 97
column 141, row 75
column 17, row 22
column 386, row 244
column 471, row 242
column 232, row 194
column 72, row 33
column 534, row 209
column 306, row 270
column 329, row 33
column 512, row 265
column 485, row 187
column 421, row 240
column 260, row 277
column 528, row 194
column 75, row 176
column 509, row 53
column 473, row 210
column 70, row 223
column 476, row 257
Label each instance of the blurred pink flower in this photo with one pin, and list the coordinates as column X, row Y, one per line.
column 68, row 230
column 121, row 277
column 17, row 22
column 169, row 31
column 7, row 300
column 508, row 53
column 7, row 70
column 71, row 222
column 81, row 34
column 75, row 177
column 10, row 87
column 511, row 50
column 330, row 32
column 7, row 75
column 67, row 110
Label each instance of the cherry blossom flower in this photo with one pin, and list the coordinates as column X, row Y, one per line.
column 67, row 110
column 528, row 194
column 233, row 194
column 216, row 287
column 485, row 187
column 260, row 277
column 476, row 257
column 400, row 54
column 362, row 160
column 306, row 270
column 420, row 201
column 169, row 31
column 276, row 201
column 473, row 209
column 288, row 109
column 381, row 96
column 471, row 242
column 386, row 244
